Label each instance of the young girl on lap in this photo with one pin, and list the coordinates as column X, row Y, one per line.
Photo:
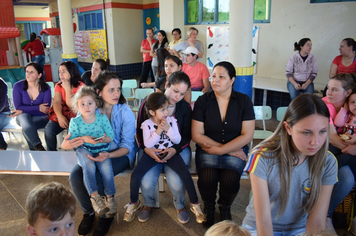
column 96, row 132
column 160, row 132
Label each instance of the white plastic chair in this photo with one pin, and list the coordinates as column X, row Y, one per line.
column 262, row 113
column 196, row 94
column 132, row 84
column 139, row 95
column 280, row 112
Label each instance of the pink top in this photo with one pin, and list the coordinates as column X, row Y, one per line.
column 344, row 69
column 331, row 108
column 146, row 45
column 196, row 74
column 345, row 119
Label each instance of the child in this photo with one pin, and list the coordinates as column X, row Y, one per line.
column 96, row 132
column 226, row 228
column 346, row 119
column 50, row 208
column 160, row 132
column 292, row 173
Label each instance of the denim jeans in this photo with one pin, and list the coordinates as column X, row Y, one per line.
column 295, row 93
column 30, row 124
column 51, row 131
column 4, row 120
column 118, row 164
column 40, row 59
column 149, row 181
column 294, row 232
column 89, row 168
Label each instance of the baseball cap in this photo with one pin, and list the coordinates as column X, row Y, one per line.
column 190, row 50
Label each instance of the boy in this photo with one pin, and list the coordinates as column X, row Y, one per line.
column 50, row 210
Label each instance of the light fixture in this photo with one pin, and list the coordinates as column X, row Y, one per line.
column 45, row 8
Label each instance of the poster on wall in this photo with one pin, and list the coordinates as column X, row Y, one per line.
column 82, row 44
column 217, row 41
column 150, row 20
column 91, row 44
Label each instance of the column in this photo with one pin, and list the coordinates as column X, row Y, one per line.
column 240, row 44
column 171, row 16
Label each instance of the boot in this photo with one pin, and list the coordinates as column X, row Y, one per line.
column 39, row 147
column 225, row 212
column 209, row 211
column 225, row 201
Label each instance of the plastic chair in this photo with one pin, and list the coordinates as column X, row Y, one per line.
column 280, row 112
column 132, row 84
column 9, row 85
column 262, row 113
column 50, row 84
column 139, row 95
column 196, row 94
column 9, row 95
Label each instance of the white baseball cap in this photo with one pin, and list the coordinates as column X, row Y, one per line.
column 190, row 50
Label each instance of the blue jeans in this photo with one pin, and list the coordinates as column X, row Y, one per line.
column 295, row 93
column 30, row 125
column 89, row 168
column 149, row 181
column 294, row 232
column 118, row 164
column 51, row 131
column 40, row 59
column 4, row 120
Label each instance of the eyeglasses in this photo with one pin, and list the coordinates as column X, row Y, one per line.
column 175, row 34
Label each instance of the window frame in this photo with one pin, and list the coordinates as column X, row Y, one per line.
column 327, row 1
column 97, row 13
column 269, row 15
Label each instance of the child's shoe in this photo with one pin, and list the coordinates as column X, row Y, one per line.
column 130, row 210
column 99, row 205
column 196, row 209
column 112, row 207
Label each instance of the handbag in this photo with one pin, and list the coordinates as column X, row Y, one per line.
column 66, row 111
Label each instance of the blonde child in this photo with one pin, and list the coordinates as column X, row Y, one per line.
column 226, row 228
column 160, row 132
column 50, row 208
column 96, row 132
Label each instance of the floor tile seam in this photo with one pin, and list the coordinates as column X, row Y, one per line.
column 12, row 196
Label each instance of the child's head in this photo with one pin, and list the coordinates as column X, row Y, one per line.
column 156, row 105
column 226, row 228
column 351, row 102
column 50, row 207
column 85, row 100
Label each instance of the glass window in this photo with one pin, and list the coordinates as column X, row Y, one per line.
column 208, row 10
column 193, row 11
column 224, row 10
column 91, row 20
column 261, row 11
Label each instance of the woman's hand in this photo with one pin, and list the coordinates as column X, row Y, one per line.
column 240, row 154
column 102, row 157
column 212, row 149
column 15, row 113
column 171, row 152
column 144, row 85
column 73, row 143
column 44, row 108
column 297, row 86
column 66, row 85
column 62, row 121
column 152, row 153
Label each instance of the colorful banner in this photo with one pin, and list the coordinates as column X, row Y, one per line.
column 92, row 44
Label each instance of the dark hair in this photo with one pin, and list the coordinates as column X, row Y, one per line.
column 103, row 79
column 350, row 43
column 178, row 31
column 73, row 71
column 179, row 77
column 193, row 54
column 175, row 59
column 155, row 101
column 164, row 41
column 32, row 36
column 162, row 53
column 102, row 63
column 228, row 66
column 151, row 30
column 43, row 86
column 297, row 46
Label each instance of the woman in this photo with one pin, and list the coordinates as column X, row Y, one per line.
column 178, row 84
column 145, row 49
column 190, row 42
column 223, row 123
column 32, row 99
column 4, row 112
column 162, row 43
column 292, row 174
column 122, row 149
column 36, row 49
column 346, row 61
column 89, row 76
column 64, row 90
column 301, row 69
column 177, row 38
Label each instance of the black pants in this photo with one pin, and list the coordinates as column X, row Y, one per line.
column 146, row 68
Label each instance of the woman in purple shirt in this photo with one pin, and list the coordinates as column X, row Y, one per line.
column 32, row 99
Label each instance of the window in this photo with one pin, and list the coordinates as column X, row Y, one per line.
column 320, row 1
column 91, row 20
column 26, row 28
column 217, row 11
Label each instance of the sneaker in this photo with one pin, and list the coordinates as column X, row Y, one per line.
column 183, row 216
column 99, row 205
column 103, row 226
column 144, row 215
column 111, row 204
column 329, row 227
column 87, row 224
column 130, row 211
column 196, row 209
column 353, row 227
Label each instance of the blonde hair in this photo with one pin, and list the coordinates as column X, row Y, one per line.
column 190, row 30
column 82, row 92
column 279, row 146
column 226, row 228
column 50, row 200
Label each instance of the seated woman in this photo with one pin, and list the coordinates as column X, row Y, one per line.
column 223, row 123
column 89, row 76
column 32, row 99
column 64, row 90
column 4, row 112
column 292, row 173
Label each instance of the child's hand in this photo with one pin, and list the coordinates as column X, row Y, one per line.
column 351, row 139
column 105, row 139
column 164, row 125
column 89, row 139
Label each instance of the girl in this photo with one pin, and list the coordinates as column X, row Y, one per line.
column 96, row 132
column 301, row 69
column 35, row 49
column 160, row 132
column 292, row 174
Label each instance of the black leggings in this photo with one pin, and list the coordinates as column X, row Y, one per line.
column 146, row 68
column 208, row 184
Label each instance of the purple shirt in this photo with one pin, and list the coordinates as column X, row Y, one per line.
column 22, row 100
